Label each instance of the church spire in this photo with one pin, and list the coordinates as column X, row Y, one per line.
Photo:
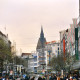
column 42, row 40
column 42, row 34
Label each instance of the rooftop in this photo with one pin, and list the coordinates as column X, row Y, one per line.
column 25, row 54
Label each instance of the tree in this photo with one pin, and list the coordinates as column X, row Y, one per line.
column 58, row 63
column 70, row 60
column 20, row 61
column 5, row 53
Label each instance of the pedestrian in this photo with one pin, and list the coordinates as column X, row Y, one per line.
column 0, row 77
column 47, row 77
column 7, row 78
column 67, row 77
column 10, row 77
column 76, row 76
column 43, row 78
column 18, row 78
column 70, row 77
column 3, row 78
column 58, row 77
column 64, row 77
column 54, row 78
column 26, row 78
column 79, row 78
column 22, row 78
column 51, row 78
column 39, row 78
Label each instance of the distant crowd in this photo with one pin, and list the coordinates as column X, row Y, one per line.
column 58, row 77
column 47, row 77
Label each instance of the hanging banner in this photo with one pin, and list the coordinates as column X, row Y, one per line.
column 76, row 43
column 64, row 48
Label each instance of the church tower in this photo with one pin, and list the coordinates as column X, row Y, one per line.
column 42, row 40
column 41, row 51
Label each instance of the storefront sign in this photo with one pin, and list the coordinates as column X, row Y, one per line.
column 76, row 43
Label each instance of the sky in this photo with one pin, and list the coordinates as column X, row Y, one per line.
column 23, row 20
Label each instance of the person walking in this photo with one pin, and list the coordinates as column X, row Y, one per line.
column 26, row 78
column 43, row 78
column 51, row 78
column 54, row 78
column 39, row 78
column 70, row 77
column 58, row 77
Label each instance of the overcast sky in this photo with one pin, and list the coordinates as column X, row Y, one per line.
column 23, row 20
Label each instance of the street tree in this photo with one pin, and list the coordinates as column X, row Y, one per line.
column 69, row 62
column 58, row 63
column 20, row 61
column 5, row 52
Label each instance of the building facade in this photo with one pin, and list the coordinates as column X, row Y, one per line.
column 28, row 57
column 35, row 62
column 41, row 52
column 67, row 39
column 69, row 43
column 52, row 50
column 31, row 61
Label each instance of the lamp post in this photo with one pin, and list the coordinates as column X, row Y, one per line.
column 49, row 55
column 49, row 50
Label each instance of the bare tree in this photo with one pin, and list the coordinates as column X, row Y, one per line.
column 58, row 63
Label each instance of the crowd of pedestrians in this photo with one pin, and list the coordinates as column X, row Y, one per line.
column 58, row 77
column 47, row 77
column 14, row 78
column 64, row 77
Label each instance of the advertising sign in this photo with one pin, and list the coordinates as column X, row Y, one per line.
column 76, row 43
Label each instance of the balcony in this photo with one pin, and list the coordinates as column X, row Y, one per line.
column 42, row 62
